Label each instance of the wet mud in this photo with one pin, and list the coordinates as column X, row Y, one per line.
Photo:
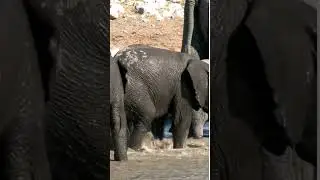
column 158, row 160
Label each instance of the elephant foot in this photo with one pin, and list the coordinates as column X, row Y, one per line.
column 178, row 145
column 197, row 137
column 139, row 140
column 120, row 157
column 179, row 139
column 120, row 154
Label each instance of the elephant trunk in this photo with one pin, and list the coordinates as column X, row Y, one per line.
column 188, row 25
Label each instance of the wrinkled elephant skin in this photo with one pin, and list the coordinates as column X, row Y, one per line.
column 158, row 82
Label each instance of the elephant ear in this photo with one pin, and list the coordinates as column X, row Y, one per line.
column 196, row 80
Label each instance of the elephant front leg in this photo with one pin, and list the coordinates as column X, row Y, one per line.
column 181, row 124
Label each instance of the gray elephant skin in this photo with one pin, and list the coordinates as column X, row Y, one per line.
column 158, row 82
column 275, row 98
column 118, row 117
column 64, row 139
column 199, row 118
column 195, row 39
column 22, row 148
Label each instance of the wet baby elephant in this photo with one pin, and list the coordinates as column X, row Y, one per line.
column 158, row 82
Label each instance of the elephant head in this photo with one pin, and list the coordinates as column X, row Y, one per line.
column 199, row 117
column 198, row 120
column 196, row 79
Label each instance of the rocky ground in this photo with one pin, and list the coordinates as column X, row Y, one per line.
column 162, row 28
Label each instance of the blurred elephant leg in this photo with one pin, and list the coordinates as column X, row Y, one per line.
column 278, row 167
column 307, row 147
column 199, row 40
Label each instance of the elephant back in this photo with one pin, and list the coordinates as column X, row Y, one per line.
column 143, row 59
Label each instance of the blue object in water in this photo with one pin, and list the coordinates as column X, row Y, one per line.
column 206, row 129
column 167, row 126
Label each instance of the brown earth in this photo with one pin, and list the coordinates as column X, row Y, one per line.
column 159, row 161
column 135, row 29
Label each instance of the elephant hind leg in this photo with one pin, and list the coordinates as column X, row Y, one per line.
column 141, row 118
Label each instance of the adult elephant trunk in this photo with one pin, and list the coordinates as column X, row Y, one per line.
column 188, row 25
column 196, row 29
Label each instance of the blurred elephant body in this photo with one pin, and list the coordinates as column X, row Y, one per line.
column 22, row 144
column 196, row 28
column 276, row 98
column 75, row 75
column 158, row 82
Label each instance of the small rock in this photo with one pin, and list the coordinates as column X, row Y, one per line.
column 114, row 51
column 145, row 20
column 139, row 8
column 159, row 17
column 116, row 10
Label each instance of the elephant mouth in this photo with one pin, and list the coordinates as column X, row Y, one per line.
column 197, row 133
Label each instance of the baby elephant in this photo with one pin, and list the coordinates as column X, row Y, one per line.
column 158, row 82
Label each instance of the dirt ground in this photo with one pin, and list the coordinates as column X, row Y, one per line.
column 160, row 161
column 134, row 29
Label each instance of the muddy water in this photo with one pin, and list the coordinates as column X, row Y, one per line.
column 159, row 161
